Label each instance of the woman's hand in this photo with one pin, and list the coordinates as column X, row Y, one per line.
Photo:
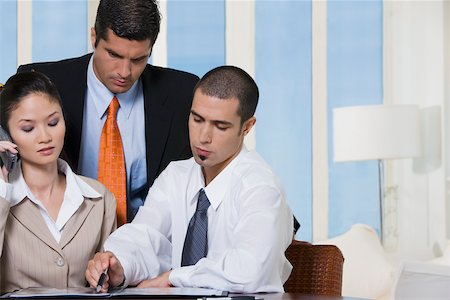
column 6, row 146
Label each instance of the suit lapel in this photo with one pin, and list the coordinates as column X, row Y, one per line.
column 157, row 120
column 73, row 87
column 28, row 214
column 75, row 222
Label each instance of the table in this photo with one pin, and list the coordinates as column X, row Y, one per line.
column 297, row 296
column 265, row 296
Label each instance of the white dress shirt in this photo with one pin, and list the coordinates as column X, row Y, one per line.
column 76, row 189
column 249, row 228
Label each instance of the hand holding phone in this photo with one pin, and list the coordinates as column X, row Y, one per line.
column 7, row 158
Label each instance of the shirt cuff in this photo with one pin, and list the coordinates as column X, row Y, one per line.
column 5, row 190
column 126, row 272
column 123, row 285
column 180, row 277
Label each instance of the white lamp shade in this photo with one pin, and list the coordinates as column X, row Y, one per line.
column 376, row 132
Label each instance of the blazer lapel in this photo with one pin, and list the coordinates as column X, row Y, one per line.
column 72, row 87
column 157, row 120
column 75, row 222
column 28, row 214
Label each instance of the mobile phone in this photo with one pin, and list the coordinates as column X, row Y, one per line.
column 7, row 158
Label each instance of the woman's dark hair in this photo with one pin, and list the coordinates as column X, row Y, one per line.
column 21, row 85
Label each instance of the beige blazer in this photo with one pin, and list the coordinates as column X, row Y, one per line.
column 30, row 256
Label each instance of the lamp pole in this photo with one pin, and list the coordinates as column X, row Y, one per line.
column 381, row 185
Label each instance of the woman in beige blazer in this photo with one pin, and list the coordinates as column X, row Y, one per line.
column 51, row 220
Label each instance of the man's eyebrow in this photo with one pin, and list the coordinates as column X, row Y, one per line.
column 196, row 114
column 220, row 122
column 217, row 122
column 145, row 56
column 113, row 52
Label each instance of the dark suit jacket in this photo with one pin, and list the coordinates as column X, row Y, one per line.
column 167, row 102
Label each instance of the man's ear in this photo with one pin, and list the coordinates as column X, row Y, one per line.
column 93, row 37
column 247, row 126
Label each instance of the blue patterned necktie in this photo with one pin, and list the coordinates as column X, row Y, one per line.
column 196, row 242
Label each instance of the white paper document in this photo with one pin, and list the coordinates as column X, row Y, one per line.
column 172, row 292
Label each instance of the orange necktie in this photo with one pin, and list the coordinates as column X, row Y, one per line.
column 111, row 161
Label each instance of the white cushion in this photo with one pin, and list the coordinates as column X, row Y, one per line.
column 444, row 259
column 368, row 272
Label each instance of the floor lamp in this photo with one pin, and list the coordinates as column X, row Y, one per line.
column 376, row 132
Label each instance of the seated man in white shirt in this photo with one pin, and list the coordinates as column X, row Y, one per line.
column 233, row 239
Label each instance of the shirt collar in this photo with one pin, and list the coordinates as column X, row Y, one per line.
column 76, row 188
column 76, row 185
column 103, row 96
column 215, row 189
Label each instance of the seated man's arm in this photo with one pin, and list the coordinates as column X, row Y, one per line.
column 143, row 247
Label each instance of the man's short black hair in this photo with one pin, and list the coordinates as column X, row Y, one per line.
column 228, row 82
column 131, row 19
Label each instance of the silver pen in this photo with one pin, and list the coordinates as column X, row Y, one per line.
column 101, row 280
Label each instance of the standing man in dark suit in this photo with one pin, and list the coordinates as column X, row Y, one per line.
column 154, row 102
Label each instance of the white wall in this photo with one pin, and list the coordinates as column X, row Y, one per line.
column 416, row 71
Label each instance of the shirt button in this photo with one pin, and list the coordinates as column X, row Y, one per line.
column 60, row 262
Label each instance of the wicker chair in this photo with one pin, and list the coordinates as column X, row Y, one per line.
column 317, row 269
